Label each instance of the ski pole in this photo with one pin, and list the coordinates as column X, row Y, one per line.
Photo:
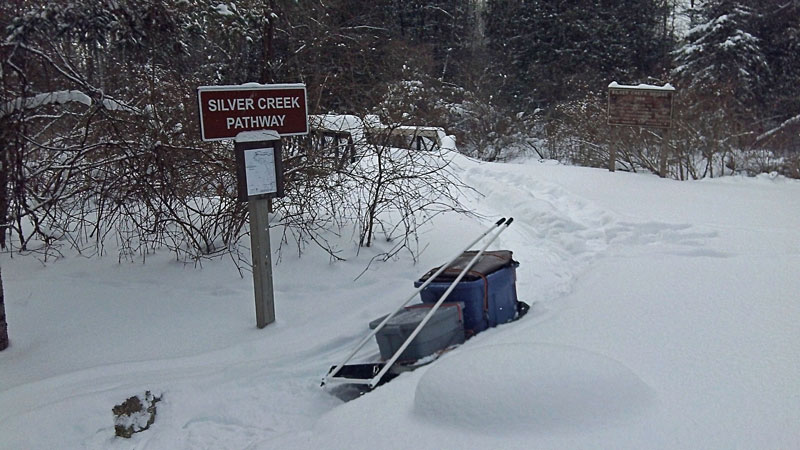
column 374, row 381
column 363, row 342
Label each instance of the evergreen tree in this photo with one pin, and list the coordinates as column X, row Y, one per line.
column 722, row 55
column 779, row 29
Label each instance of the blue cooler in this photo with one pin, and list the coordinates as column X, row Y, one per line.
column 488, row 291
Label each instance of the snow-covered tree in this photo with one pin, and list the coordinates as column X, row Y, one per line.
column 779, row 28
column 722, row 55
column 738, row 71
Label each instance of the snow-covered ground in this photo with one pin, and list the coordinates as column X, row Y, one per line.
column 665, row 315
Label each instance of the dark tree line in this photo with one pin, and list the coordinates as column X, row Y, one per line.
column 557, row 51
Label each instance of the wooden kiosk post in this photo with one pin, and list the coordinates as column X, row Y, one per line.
column 643, row 106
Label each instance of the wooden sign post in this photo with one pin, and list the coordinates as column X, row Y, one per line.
column 259, row 175
column 643, row 106
column 256, row 116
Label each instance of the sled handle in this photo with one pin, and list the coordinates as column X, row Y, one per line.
column 375, row 380
column 372, row 333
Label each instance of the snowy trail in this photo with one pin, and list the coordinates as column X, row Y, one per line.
column 559, row 234
column 556, row 236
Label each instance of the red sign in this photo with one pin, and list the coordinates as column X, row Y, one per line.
column 226, row 111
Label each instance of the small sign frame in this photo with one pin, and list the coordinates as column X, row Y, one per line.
column 257, row 177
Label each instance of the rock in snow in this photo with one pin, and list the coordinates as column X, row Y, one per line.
column 135, row 414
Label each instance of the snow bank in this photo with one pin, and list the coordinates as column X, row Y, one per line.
column 529, row 387
column 666, row 317
column 448, row 141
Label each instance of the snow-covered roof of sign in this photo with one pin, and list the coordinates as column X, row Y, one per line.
column 251, row 85
column 666, row 87
column 257, row 136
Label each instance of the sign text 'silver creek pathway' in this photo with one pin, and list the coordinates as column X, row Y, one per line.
column 226, row 111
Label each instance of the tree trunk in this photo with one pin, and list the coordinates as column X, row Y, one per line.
column 3, row 324
column 268, row 44
column 3, row 193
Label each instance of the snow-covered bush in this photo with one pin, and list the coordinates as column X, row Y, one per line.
column 387, row 193
column 491, row 131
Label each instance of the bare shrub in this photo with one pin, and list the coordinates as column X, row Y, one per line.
column 385, row 191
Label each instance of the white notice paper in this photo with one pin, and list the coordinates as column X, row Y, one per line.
column 259, row 169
